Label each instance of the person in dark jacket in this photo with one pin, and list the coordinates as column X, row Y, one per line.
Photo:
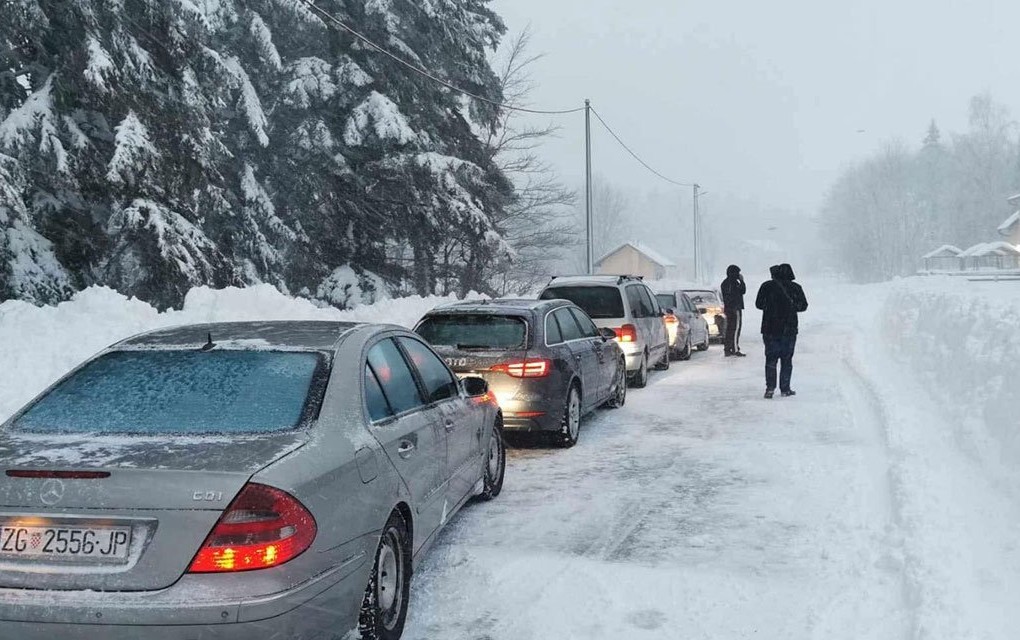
column 780, row 300
column 733, row 290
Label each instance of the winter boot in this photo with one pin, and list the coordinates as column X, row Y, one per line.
column 789, row 394
column 769, row 393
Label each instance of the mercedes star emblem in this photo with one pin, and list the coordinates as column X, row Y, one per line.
column 52, row 492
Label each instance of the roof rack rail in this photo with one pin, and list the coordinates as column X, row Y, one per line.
column 619, row 277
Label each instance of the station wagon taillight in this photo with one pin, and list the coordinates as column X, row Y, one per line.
column 626, row 333
column 671, row 319
column 536, row 368
column 263, row 527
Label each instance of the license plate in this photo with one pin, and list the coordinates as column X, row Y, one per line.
column 86, row 544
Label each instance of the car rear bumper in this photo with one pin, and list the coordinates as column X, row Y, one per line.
column 323, row 607
column 545, row 416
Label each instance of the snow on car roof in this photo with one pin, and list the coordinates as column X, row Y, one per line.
column 311, row 335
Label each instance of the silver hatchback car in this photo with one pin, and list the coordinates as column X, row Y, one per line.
column 238, row 481
column 626, row 305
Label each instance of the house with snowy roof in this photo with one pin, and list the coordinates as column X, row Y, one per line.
column 1011, row 227
column 991, row 256
column 636, row 259
column 999, row 256
column 945, row 258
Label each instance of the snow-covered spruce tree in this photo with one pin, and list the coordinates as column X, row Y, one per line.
column 155, row 145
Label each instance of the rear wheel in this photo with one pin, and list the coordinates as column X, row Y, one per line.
column 495, row 464
column 685, row 353
column 570, row 426
column 639, row 380
column 384, row 609
column 705, row 345
column 619, row 397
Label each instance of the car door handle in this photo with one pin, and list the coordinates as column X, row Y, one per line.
column 407, row 449
column 450, row 426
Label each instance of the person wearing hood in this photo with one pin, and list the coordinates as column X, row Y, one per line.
column 780, row 300
column 733, row 290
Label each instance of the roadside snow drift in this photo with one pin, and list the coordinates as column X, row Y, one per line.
column 40, row 344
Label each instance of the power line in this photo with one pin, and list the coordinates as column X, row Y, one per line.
column 635, row 155
column 423, row 72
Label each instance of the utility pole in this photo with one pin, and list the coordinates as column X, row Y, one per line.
column 589, row 219
column 697, row 236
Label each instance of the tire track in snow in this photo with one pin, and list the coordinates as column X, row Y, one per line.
column 869, row 415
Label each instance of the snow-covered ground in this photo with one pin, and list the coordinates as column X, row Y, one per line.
column 701, row 510
column 880, row 503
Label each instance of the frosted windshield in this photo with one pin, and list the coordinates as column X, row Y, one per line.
column 178, row 392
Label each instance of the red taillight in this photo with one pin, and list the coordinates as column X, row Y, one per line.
column 263, row 527
column 626, row 333
column 525, row 368
column 671, row 319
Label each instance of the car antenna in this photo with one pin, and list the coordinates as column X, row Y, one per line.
column 210, row 345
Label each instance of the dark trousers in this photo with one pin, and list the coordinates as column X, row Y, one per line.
column 779, row 349
column 734, row 324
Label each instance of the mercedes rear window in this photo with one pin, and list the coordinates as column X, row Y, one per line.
column 597, row 302
column 182, row 393
column 475, row 331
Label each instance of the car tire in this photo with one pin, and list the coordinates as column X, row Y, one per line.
column 705, row 346
column 570, row 424
column 619, row 397
column 384, row 609
column 494, row 464
column 664, row 364
column 640, row 379
column 685, row 353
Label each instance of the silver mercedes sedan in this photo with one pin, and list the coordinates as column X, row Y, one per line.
column 238, row 481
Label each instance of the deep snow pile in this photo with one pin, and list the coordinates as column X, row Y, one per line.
column 39, row 344
column 962, row 341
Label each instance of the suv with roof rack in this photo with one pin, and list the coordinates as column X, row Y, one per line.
column 626, row 305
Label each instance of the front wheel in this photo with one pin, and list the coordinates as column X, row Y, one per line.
column 619, row 397
column 494, row 468
column 663, row 365
column 570, row 426
column 640, row 379
column 384, row 609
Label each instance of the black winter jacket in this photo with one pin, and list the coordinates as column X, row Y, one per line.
column 780, row 300
column 733, row 290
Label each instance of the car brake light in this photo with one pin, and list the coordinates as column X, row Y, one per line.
column 626, row 333
column 525, row 368
column 671, row 319
column 263, row 527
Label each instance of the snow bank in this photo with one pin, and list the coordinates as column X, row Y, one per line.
column 40, row 344
column 961, row 339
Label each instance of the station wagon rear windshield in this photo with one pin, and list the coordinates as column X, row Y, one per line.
column 667, row 300
column 182, row 393
column 703, row 297
column 597, row 302
column 475, row 331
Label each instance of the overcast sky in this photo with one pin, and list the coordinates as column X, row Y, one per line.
column 763, row 100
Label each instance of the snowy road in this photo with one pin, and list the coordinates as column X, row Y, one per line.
column 701, row 510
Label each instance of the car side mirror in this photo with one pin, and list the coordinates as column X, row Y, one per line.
column 607, row 334
column 702, row 310
column 475, row 387
column 670, row 312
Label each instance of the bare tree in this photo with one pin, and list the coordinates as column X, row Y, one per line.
column 538, row 224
